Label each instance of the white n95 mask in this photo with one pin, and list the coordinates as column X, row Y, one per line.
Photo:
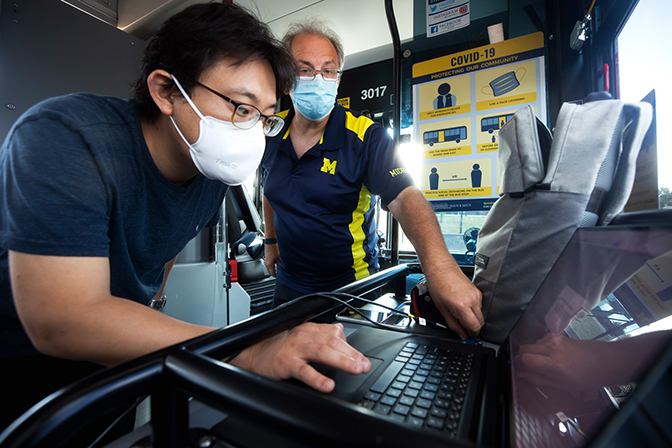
column 224, row 152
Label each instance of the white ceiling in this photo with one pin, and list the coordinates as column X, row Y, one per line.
column 361, row 24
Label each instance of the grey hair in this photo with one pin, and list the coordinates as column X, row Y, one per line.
column 317, row 27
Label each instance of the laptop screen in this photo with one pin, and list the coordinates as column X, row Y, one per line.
column 579, row 350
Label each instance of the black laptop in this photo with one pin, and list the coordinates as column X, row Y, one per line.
column 526, row 393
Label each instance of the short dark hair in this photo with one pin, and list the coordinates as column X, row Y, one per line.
column 201, row 35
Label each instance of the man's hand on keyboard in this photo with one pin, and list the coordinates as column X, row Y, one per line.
column 287, row 355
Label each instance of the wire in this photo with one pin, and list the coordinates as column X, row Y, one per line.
column 376, row 323
column 372, row 302
column 590, row 9
column 123, row 415
column 422, row 321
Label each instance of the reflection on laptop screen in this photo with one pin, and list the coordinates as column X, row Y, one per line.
column 566, row 380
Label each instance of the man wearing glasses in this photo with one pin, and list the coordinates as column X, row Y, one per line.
column 99, row 195
column 320, row 175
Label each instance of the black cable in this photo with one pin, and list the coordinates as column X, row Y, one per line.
column 394, row 310
column 420, row 320
column 372, row 302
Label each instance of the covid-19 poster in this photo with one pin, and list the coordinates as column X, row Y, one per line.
column 460, row 103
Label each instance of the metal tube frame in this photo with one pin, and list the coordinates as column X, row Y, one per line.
column 399, row 287
column 192, row 369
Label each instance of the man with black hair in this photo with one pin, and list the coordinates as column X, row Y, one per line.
column 321, row 175
column 99, row 195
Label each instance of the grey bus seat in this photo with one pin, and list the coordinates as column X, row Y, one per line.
column 584, row 180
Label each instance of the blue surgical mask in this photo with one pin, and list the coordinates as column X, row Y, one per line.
column 314, row 98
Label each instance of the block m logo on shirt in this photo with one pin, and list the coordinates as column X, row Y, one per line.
column 329, row 166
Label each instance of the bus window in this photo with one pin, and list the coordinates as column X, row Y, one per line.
column 459, row 230
column 430, row 137
column 455, row 134
column 445, row 135
column 491, row 124
column 640, row 41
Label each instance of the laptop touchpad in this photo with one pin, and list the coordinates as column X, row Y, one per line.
column 347, row 384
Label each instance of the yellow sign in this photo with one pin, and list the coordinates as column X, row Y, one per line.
column 473, row 175
column 486, row 56
column 458, row 193
column 463, row 109
column 508, row 101
column 461, row 101
column 447, row 152
column 443, row 99
column 345, row 102
column 488, row 147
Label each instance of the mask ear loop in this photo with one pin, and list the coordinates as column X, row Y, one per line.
column 486, row 93
column 524, row 73
column 193, row 106
column 186, row 97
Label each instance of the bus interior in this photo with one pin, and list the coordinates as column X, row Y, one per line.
column 397, row 61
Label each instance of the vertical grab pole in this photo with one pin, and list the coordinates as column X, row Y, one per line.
column 399, row 285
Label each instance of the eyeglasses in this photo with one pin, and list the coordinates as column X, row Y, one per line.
column 245, row 116
column 328, row 74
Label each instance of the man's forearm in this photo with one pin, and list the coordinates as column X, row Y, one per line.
column 419, row 223
column 269, row 228
column 119, row 330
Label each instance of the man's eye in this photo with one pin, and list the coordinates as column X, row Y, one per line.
column 305, row 71
column 243, row 111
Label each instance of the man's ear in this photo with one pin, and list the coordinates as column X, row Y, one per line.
column 160, row 85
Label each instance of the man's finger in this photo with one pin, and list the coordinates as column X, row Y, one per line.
column 469, row 322
column 326, row 344
column 455, row 325
column 305, row 373
column 300, row 369
column 477, row 310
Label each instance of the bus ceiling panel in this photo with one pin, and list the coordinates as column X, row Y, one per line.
column 361, row 25
column 141, row 18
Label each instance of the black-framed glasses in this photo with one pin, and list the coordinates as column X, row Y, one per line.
column 328, row 74
column 245, row 116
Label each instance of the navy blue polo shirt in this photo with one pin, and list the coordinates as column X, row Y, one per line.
column 324, row 203
column 77, row 180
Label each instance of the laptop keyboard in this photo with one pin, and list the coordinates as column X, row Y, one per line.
column 424, row 386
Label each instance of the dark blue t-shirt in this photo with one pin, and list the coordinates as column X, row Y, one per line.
column 324, row 202
column 77, row 179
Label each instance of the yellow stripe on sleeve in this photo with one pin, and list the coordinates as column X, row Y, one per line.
column 358, row 125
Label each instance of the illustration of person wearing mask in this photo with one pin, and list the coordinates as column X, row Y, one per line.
column 476, row 175
column 434, row 180
column 445, row 98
